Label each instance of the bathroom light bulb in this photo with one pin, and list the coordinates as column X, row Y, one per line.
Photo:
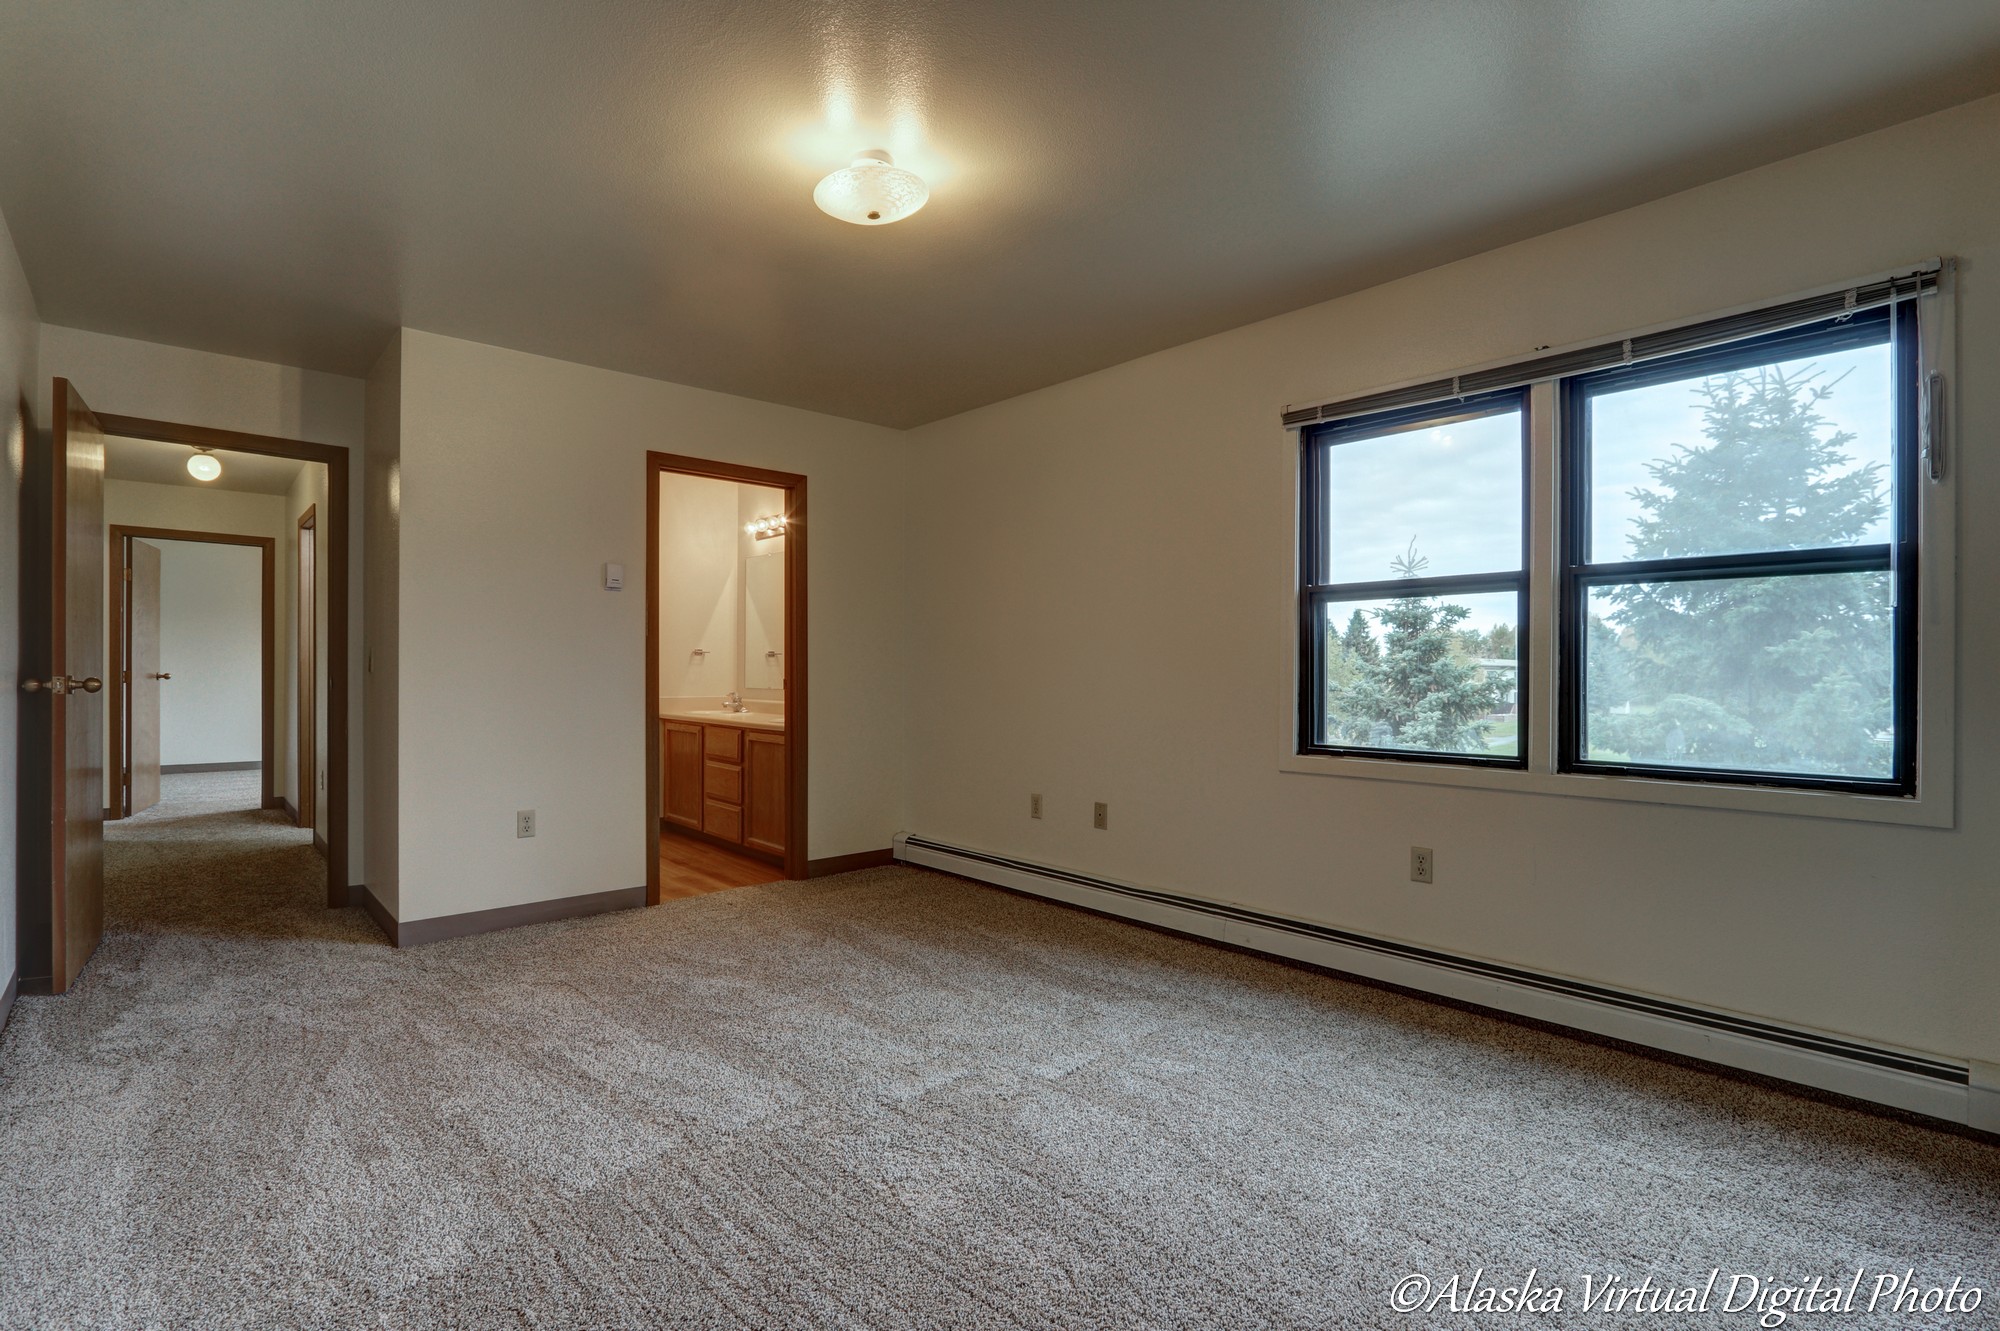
column 203, row 466
column 871, row 191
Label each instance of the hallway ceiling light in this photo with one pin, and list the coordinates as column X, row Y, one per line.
column 871, row 191
column 203, row 466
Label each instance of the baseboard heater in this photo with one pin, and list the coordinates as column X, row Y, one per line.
column 1921, row 1083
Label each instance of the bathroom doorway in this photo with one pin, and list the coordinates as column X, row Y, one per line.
column 725, row 676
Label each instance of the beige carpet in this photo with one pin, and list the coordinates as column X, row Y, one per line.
column 892, row 1099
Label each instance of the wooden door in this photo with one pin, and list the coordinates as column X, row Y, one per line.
column 306, row 604
column 62, row 727
column 141, row 677
column 680, row 773
column 764, row 803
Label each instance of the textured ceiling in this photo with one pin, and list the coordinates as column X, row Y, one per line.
column 158, row 463
column 629, row 184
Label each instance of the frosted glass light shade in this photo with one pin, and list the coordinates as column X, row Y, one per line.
column 203, row 467
column 871, row 191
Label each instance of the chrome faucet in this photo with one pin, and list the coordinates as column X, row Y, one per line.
column 734, row 703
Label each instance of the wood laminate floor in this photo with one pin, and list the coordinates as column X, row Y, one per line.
column 690, row 868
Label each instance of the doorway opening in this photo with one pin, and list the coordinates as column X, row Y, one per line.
column 725, row 676
column 306, row 763
column 186, row 599
column 71, row 778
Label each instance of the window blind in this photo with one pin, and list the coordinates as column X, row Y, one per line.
column 1628, row 350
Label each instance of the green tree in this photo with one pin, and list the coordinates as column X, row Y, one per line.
column 1358, row 641
column 1348, row 654
column 1759, row 673
column 1420, row 692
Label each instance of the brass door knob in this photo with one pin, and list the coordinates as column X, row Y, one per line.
column 63, row 684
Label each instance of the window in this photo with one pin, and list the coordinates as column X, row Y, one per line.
column 1679, row 567
column 1416, row 582
column 1740, row 561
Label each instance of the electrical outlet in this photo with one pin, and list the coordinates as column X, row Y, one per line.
column 1100, row 817
column 1421, row 866
column 1034, row 806
column 524, row 822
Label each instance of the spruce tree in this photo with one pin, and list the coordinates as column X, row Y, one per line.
column 1420, row 692
column 1766, row 673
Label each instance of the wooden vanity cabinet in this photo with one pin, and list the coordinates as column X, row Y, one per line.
column 680, row 773
column 764, row 811
column 726, row 782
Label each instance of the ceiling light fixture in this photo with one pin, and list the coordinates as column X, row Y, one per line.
column 871, row 191
column 203, row 466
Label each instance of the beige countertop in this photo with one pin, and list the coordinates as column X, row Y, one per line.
column 716, row 716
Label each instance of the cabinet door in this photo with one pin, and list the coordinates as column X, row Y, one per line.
column 680, row 773
column 764, row 807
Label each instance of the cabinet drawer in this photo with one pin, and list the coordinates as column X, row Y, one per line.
column 724, row 821
column 723, row 742
column 721, row 781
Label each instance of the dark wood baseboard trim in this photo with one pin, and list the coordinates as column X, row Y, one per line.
column 733, row 847
column 860, row 859
column 7, row 998
column 112, row 815
column 291, row 810
column 438, row 928
column 211, row 767
column 364, row 897
column 324, row 851
column 274, row 801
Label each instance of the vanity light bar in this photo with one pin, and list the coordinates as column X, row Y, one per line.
column 765, row 528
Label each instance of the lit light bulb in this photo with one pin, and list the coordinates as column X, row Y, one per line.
column 871, row 191
column 203, row 466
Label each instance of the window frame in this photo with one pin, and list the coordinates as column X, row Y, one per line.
column 1898, row 557
column 1315, row 448
column 1933, row 510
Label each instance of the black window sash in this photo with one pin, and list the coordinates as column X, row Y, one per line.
column 1315, row 563
column 1897, row 557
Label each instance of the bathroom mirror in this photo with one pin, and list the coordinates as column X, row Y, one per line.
column 764, row 621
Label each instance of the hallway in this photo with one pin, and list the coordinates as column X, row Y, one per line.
column 208, row 861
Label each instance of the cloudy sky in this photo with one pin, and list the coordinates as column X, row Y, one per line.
column 1456, row 490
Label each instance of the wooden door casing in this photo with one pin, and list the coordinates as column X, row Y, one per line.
column 305, row 602
column 141, row 679
column 796, row 726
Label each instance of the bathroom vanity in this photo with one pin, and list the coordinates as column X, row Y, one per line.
column 722, row 774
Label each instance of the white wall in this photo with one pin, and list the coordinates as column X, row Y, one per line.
column 212, row 643
column 520, row 476
column 1101, row 605
column 132, row 378
column 701, row 587
column 382, row 659
column 19, row 376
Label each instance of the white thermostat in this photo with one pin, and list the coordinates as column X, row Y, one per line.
column 614, row 577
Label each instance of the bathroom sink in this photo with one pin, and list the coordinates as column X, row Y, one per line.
column 742, row 718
